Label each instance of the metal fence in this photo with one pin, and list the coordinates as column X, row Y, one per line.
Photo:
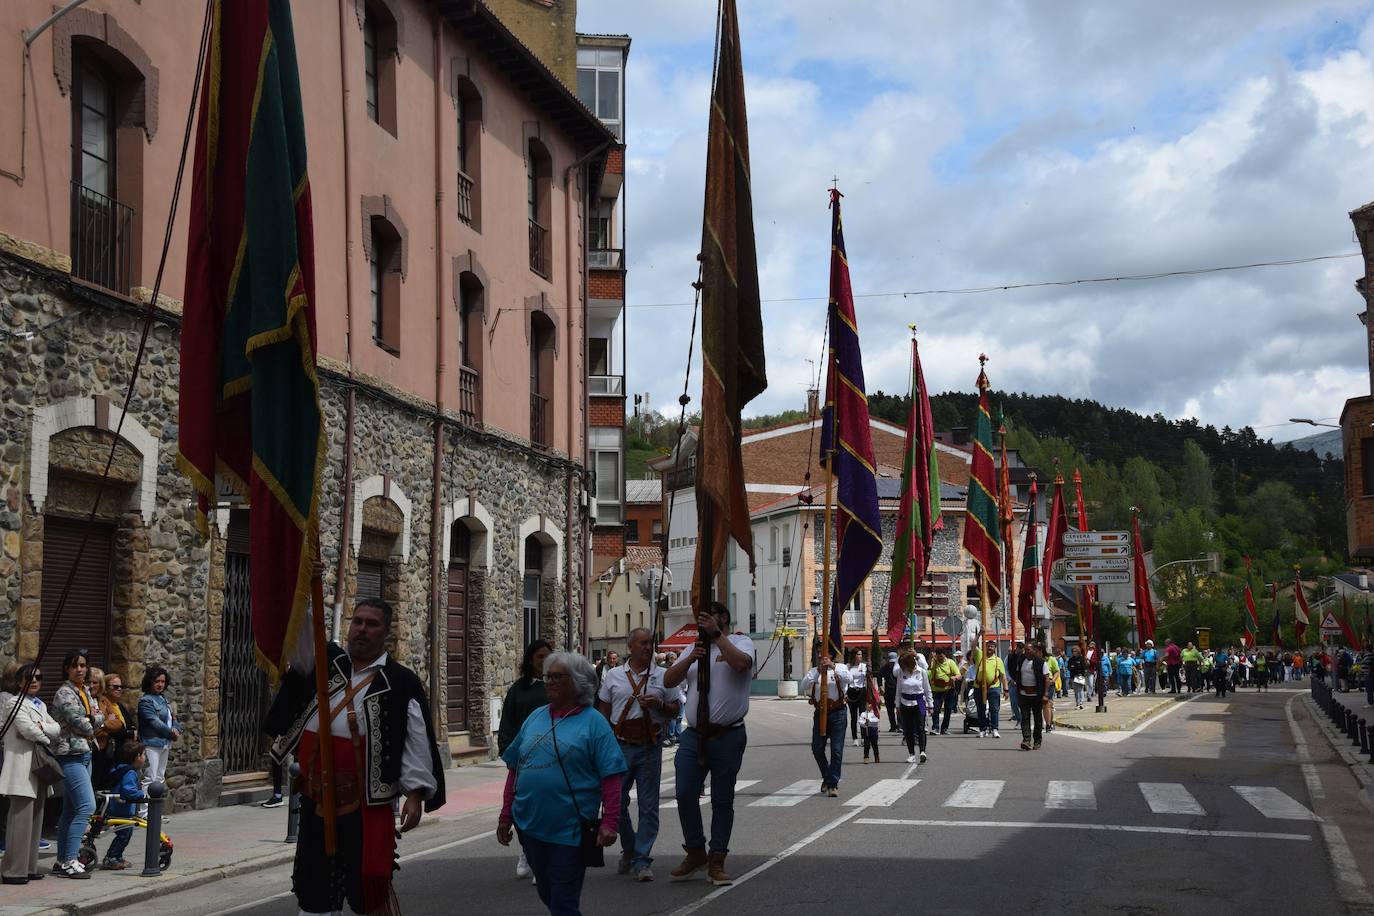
column 102, row 240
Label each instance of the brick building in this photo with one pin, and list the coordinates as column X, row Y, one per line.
column 1357, row 417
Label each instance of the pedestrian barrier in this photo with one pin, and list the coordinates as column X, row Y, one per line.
column 1344, row 718
column 152, row 849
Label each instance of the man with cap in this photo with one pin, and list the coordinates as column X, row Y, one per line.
column 1150, row 659
column 944, row 683
column 887, row 676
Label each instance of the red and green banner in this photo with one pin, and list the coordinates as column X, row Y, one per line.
column 1005, row 503
column 1278, row 622
column 1302, row 614
column 1087, row 594
column 1347, row 630
column 982, row 525
column 1058, row 523
column 1144, row 604
column 918, row 517
column 1251, row 616
column 1030, row 568
column 249, row 414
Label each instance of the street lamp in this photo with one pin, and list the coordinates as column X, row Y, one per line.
column 1312, row 422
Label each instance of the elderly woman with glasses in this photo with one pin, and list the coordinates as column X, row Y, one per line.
column 111, row 734
column 32, row 726
column 565, row 767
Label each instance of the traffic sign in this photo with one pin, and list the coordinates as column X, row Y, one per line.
column 952, row 625
column 1098, row 550
column 1102, row 577
column 1329, row 624
column 1096, row 537
column 1095, row 564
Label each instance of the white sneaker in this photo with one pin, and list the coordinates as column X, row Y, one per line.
column 982, row 734
column 911, row 759
column 996, row 733
column 923, row 756
column 856, row 742
column 522, row 867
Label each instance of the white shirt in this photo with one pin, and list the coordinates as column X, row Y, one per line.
column 729, row 691
column 1027, row 673
column 616, row 690
column 869, row 719
column 858, row 675
column 912, row 686
column 840, row 678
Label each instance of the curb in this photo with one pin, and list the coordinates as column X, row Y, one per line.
column 1118, row 727
column 1363, row 772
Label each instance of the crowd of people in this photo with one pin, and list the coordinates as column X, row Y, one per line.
column 89, row 741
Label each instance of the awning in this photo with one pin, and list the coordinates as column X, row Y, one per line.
column 680, row 640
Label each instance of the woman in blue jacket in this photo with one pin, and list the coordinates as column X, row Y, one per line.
column 158, row 727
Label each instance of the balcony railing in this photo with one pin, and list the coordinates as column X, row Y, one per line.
column 606, row 385
column 102, row 240
column 465, row 198
column 539, row 249
column 539, row 420
column 606, row 258
column 469, row 397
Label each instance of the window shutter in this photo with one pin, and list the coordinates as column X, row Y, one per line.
column 85, row 621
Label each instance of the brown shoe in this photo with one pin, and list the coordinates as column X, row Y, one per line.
column 696, row 858
column 715, row 870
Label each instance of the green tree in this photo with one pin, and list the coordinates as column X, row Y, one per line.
column 1275, row 517
column 1195, row 480
column 1111, row 628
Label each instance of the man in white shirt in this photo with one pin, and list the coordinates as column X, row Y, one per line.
column 714, row 739
column 633, row 699
column 837, row 681
column 1031, row 681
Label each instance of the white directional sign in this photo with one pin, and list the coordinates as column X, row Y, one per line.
column 1097, row 563
column 1329, row 624
column 1097, row 577
column 1098, row 550
column 1096, row 537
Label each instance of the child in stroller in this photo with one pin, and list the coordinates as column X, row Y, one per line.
column 116, row 810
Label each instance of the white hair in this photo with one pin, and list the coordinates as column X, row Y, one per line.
column 581, row 673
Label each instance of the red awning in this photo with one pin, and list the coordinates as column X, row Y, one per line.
column 680, row 640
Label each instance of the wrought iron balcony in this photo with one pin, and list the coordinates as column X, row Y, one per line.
column 540, row 427
column 464, row 198
column 102, row 240
column 469, row 397
column 539, row 249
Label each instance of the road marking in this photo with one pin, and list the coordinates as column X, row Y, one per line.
column 1118, row 737
column 739, row 784
column 788, row 796
column 1309, row 772
column 764, row 866
column 1274, row 804
column 1170, row 798
column 882, row 794
column 1051, row 825
column 976, row 793
column 1070, row 793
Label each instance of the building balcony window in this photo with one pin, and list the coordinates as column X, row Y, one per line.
column 606, row 385
column 469, row 397
column 539, row 420
column 465, row 209
column 539, row 249
column 606, row 258
column 102, row 240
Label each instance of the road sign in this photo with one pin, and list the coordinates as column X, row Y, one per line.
column 1329, row 624
column 1099, row 577
column 1096, row 537
column 1098, row 550
column 1204, row 638
column 1096, row 563
column 953, row 625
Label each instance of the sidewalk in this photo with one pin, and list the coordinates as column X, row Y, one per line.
column 1122, row 712
column 211, row 845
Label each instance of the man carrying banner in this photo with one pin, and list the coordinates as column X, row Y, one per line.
column 837, row 682
column 384, row 748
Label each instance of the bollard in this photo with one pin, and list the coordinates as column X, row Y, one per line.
column 1364, row 737
column 293, row 804
column 1354, row 730
column 152, row 849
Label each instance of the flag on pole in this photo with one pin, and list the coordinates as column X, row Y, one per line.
column 1054, row 535
column 1004, row 502
column 1030, row 568
column 982, row 527
column 1347, row 630
column 1251, row 618
column 1278, row 624
column 249, row 413
column 1089, row 593
column 847, row 439
column 1302, row 615
column 918, row 516
column 731, row 322
column 1144, row 605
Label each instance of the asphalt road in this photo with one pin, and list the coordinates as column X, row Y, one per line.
column 1218, row 806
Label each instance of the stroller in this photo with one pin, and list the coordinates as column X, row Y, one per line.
column 970, row 709
column 101, row 821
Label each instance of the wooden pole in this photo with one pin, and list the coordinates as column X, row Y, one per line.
column 706, row 536
column 825, row 591
column 325, row 734
column 983, row 635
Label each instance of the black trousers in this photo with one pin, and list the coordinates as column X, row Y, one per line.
column 913, row 728
column 320, row 884
column 1151, row 677
column 1172, row 678
column 890, row 701
column 855, row 707
column 1033, row 725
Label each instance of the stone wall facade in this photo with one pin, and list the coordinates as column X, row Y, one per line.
column 65, row 356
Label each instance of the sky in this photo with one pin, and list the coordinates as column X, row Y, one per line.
column 1014, row 141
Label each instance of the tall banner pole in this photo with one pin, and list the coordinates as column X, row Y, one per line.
column 825, row 592
column 325, row 732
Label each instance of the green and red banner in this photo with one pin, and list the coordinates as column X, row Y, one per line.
column 918, row 517
column 249, row 414
column 1030, row 568
column 1251, row 616
column 1057, row 524
column 982, row 524
column 1144, row 604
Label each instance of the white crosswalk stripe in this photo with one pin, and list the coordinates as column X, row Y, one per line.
column 1070, row 793
column 740, row 785
column 976, row 793
column 788, row 796
column 1170, row 798
column 1274, row 804
column 882, row 794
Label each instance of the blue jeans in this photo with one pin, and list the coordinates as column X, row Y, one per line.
column 643, row 768
column 988, row 713
column 119, row 844
column 945, row 701
column 721, row 757
column 78, row 804
column 558, row 874
column 1015, row 705
column 835, row 722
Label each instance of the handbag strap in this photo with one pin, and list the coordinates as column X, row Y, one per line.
column 553, row 731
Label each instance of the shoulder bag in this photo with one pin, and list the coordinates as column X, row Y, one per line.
column 44, row 766
column 589, row 830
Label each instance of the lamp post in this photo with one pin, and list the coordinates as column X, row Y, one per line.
column 1212, row 560
column 1312, row 422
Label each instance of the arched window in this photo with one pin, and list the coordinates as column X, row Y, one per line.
column 470, row 306
column 468, row 105
column 538, row 180
column 533, row 585
column 541, row 378
column 380, row 36
column 384, row 281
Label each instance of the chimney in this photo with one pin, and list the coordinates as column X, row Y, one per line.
column 1364, row 582
column 961, row 435
column 813, row 403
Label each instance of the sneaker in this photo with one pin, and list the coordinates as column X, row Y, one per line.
column 923, row 756
column 522, row 867
column 911, row 759
column 1037, row 747
column 1025, row 746
column 866, row 761
column 856, row 742
column 982, row 734
column 273, row 802
column 833, row 792
column 114, row 864
column 44, row 844
column 996, row 733
column 626, row 863
column 70, row 870
column 644, row 873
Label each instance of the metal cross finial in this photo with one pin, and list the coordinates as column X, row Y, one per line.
column 913, row 330
column 982, row 359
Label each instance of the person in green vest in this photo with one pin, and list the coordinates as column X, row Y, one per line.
column 1053, row 683
column 1192, row 659
column 944, row 673
column 1262, row 671
column 989, row 673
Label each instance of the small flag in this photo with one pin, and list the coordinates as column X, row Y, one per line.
column 847, row 438
column 1030, row 568
column 918, row 516
column 1302, row 615
column 1144, row 605
column 982, row 534
column 1278, row 624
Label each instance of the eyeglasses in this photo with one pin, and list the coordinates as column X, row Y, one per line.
column 116, row 687
column 555, row 676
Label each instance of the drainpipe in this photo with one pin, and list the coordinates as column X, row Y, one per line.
column 570, row 204
column 345, row 526
column 436, row 534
